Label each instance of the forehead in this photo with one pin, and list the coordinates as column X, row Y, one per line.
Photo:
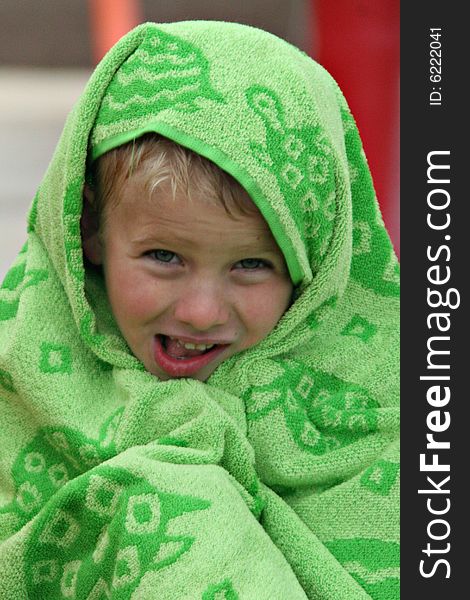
column 189, row 217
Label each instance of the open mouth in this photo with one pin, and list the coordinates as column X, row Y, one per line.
column 180, row 359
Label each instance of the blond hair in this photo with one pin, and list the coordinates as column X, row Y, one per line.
column 159, row 160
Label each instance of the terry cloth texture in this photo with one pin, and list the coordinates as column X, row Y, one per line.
column 278, row 477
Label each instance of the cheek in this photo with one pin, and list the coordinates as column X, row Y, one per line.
column 131, row 294
column 263, row 309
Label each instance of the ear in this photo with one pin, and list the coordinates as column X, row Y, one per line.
column 90, row 228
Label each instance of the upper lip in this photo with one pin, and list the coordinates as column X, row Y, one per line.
column 191, row 340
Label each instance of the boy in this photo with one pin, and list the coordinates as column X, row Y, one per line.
column 198, row 346
column 187, row 276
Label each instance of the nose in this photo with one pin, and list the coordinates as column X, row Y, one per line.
column 203, row 306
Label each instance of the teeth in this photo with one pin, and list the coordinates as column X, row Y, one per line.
column 190, row 346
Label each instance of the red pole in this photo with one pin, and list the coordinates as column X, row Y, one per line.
column 358, row 42
column 109, row 21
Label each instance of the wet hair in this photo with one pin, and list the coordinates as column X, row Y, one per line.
column 158, row 160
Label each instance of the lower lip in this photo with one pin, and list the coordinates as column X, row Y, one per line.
column 183, row 367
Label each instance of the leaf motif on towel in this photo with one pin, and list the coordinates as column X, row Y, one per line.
column 361, row 328
column 370, row 237
column 8, row 309
column 14, row 277
column 33, row 213
column 220, row 591
column 380, row 477
column 99, row 526
column 55, row 358
column 170, row 550
column 391, row 272
column 72, row 213
column 6, row 381
column 373, row 563
column 16, row 281
column 105, row 531
column 362, row 235
column 109, row 429
column 321, row 411
column 314, row 319
column 301, row 159
column 54, row 457
column 165, row 72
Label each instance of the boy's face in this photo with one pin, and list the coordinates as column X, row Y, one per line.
column 182, row 274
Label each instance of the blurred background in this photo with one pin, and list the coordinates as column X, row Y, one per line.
column 48, row 49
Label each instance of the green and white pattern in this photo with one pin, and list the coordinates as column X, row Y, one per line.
column 279, row 476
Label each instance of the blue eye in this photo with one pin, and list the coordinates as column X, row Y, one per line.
column 164, row 256
column 253, row 263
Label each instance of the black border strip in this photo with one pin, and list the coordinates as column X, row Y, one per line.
column 435, row 227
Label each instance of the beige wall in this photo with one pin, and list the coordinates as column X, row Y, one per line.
column 55, row 33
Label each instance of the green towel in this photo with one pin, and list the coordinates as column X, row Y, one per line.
column 278, row 477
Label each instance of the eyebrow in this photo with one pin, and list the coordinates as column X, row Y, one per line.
column 169, row 239
column 263, row 247
column 250, row 249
